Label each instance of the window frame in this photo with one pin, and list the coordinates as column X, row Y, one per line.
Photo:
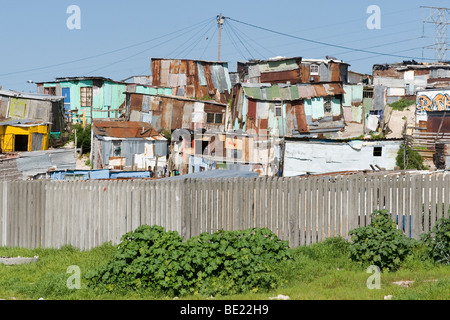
column 315, row 66
column 86, row 96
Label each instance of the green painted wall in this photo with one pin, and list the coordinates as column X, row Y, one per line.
column 111, row 95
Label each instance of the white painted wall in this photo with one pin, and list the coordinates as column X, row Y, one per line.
column 303, row 157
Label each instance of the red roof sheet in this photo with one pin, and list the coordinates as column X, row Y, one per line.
column 125, row 129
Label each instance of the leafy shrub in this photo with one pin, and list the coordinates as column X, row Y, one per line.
column 413, row 159
column 230, row 262
column 401, row 104
column 83, row 137
column 380, row 243
column 438, row 241
column 226, row 262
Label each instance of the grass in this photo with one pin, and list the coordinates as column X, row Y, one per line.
column 317, row 272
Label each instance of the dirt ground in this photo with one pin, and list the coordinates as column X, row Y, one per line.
column 397, row 122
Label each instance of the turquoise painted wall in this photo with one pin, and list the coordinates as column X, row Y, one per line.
column 111, row 94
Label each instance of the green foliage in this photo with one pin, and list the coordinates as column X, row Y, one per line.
column 83, row 137
column 401, row 104
column 413, row 159
column 166, row 134
column 438, row 241
column 380, row 243
column 226, row 262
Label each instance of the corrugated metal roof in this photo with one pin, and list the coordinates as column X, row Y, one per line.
column 291, row 92
column 23, row 122
column 33, row 96
column 126, row 129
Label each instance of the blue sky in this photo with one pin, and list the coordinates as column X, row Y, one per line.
column 117, row 39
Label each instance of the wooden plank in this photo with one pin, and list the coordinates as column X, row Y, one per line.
column 332, row 214
column 307, row 225
column 339, row 195
column 313, row 218
column 426, row 202
column 296, row 213
column 440, row 197
column 433, row 201
column 446, row 196
column 302, row 210
column 407, row 204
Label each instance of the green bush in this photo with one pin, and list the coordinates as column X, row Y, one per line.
column 401, row 104
column 83, row 137
column 413, row 159
column 225, row 262
column 438, row 241
column 380, row 243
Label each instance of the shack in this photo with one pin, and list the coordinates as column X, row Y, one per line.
column 198, row 79
column 316, row 156
column 288, row 109
column 88, row 98
column 127, row 145
column 24, row 135
column 31, row 106
column 165, row 112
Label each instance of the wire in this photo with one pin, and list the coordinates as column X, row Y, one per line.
column 98, row 55
column 195, row 44
column 324, row 43
column 136, row 54
column 248, row 38
column 184, row 43
column 234, row 44
column 209, row 42
column 240, row 40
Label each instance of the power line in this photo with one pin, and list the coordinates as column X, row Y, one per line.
column 234, row 44
column 136, row 54
column 324, row 43
column 240, row 40
column 243, row 34
column 209, row 42
column 98, row 55
column 189, row 39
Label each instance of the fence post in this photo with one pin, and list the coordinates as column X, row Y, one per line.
column 4, row 212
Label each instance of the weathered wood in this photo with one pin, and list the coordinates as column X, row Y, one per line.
column 302, row 210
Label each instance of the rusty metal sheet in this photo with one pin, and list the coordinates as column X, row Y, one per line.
column 300, row 116
column 125, row 129
column 293, row 76
column 320, row 90
column 251, row 113
column 335, row 71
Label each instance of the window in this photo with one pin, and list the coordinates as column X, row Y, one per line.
column 377, row 151
column 86, row 97
column 314, row 69
column 367, row 93
column 327, row 105
column 50, row 90
column 218, row 118
column 116, row 148
column 214, row 118
column 278, row 111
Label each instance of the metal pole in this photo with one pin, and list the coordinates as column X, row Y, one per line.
column 220, row 23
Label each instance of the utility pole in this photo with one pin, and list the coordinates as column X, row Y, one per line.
column 440, row 18
column 220, row 21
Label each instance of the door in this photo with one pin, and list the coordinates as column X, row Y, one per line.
column 66, row 95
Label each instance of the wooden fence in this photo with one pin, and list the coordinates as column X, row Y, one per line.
column 86, row 214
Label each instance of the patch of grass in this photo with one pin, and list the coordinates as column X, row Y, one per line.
column 401, row 104
column 322, row 271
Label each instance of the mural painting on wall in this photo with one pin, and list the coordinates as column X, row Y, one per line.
column 433, row 101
